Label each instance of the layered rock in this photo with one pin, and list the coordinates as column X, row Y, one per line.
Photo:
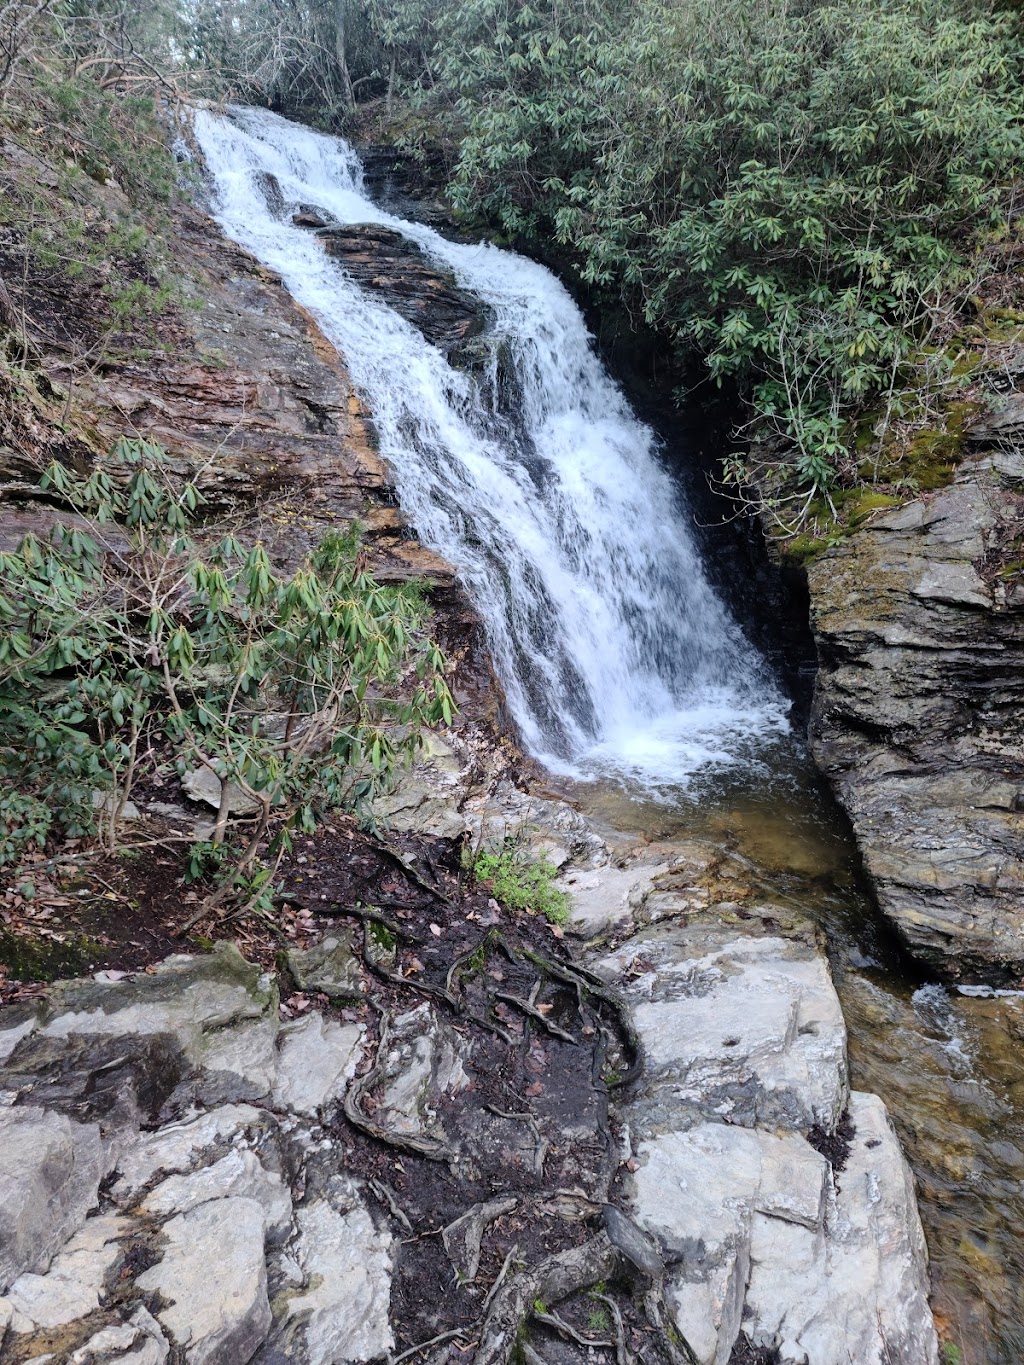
column 781, row 1203
column 918, row 715
column 426, row 295
column 120, row 1242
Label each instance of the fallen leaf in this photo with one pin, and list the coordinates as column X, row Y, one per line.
column 435, row 929
column 534, row 1090
column 557, row 930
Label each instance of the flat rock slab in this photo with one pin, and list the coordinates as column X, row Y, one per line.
column 744, row 1030
column 212, row 1280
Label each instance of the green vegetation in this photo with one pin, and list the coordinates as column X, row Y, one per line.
column 521, row 882
column 132, row 642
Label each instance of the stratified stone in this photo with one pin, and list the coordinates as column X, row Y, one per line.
column 240, row 1061
column 416, row 807
column 317, row 1057
column 424, row 293
column 189, row 998
column 340, row 1311
column 918, row 716
column 422, row 1070
column 181, row 1146
column 239, row 1174
column 50, row 1170
column 212, row 1282
column 137, row 1342
column 697, row 1192
column 72, row 1287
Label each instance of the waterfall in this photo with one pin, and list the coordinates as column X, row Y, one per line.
column 617, row 657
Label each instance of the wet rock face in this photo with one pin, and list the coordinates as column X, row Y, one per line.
column 919, row 712
column 425, row 294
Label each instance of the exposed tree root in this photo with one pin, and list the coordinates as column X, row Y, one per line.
column 550, row 1281
column 431, row 1148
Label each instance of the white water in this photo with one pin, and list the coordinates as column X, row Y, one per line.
column 617, row 657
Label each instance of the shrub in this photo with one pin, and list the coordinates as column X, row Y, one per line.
column 131, row 638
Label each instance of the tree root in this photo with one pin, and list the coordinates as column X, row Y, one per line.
column 622, row 1356
column 568, row 1332
column 550, row 1281
column 431, row 1148
column 591, row 984
column 534, row 1013
column 407, row 869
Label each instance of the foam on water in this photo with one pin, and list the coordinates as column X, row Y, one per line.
column 616, row 654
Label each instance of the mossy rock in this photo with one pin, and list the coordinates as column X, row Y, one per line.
column 39, row 959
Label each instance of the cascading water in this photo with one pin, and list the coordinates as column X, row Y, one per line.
column 617, row 657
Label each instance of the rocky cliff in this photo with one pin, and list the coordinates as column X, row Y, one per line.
column 917, row 719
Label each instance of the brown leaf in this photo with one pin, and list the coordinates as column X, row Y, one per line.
column 534, row 1090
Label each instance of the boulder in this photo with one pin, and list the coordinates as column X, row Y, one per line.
column 212, row 1282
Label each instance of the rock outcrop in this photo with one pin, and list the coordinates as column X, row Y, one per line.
column 219, row 1182
column 781, row 1203
column 180, row 1239
column 918, row 716
column 425, row 294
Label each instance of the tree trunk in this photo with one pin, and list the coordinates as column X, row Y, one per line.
column 341, row 50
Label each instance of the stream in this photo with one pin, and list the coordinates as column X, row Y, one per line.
column 625, row 673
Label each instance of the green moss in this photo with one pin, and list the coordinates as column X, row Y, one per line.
column 382, row 936
column 867, row 502
column 30, row 959
column 802, row 549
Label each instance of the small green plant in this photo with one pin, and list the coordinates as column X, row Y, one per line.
column 598, row 1319
column 951, row 1354
column 521, row 882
